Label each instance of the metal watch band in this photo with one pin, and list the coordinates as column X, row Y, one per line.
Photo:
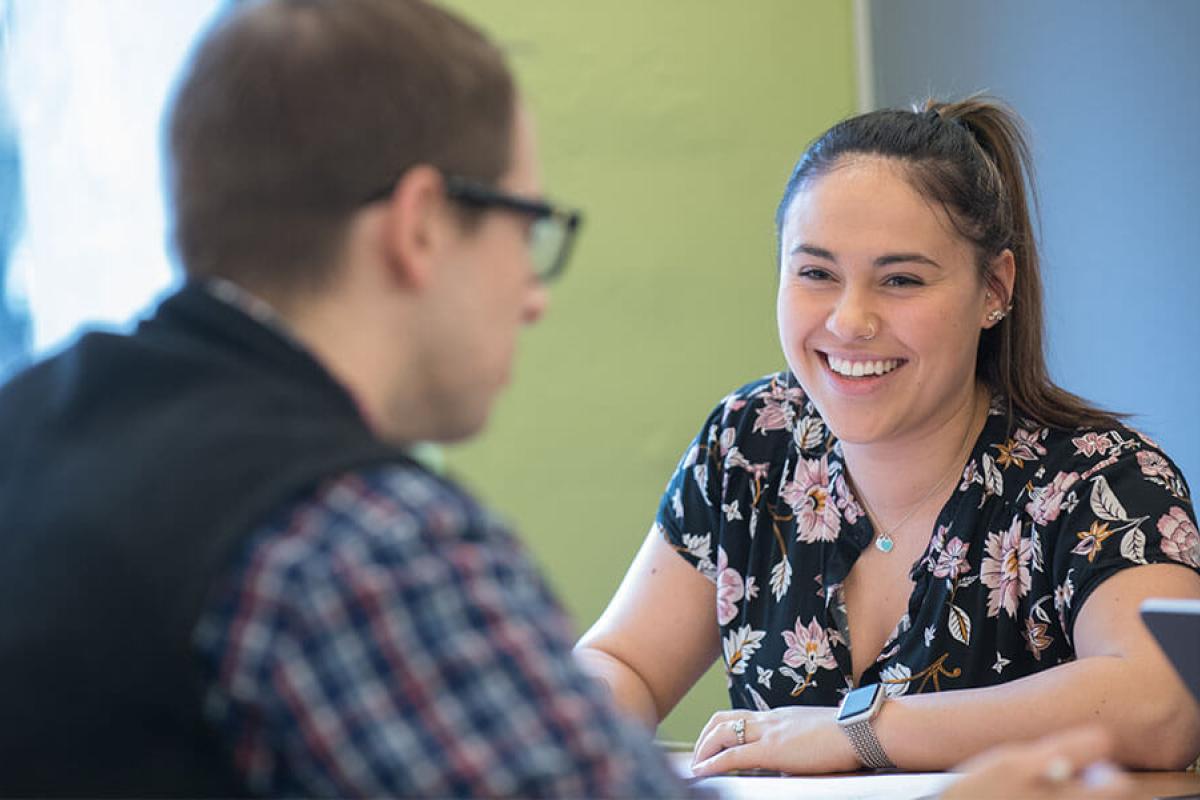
column 866, row 744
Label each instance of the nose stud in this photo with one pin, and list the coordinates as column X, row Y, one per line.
column 870, row 334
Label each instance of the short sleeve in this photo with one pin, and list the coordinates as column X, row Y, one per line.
column 1135, row 510
column 689, row 512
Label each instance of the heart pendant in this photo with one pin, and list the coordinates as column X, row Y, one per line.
column 884, row 543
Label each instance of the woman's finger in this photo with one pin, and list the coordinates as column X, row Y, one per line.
column 722, row 736
column 745, row 756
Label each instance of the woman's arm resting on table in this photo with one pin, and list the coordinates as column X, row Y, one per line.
column 657, row 636
column 1121, row 681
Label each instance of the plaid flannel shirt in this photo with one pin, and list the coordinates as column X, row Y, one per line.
column 385, row 636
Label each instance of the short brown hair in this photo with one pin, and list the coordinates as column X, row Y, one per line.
column 292, row 112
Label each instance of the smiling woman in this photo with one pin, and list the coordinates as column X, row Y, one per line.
column 913, row 507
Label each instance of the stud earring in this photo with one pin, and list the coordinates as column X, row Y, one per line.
column 995, row 316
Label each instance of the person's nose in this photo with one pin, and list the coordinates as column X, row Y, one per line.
column 853, row 317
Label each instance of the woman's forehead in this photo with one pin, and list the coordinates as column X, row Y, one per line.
column 868, row 202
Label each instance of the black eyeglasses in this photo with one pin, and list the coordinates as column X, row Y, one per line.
column 553, row 229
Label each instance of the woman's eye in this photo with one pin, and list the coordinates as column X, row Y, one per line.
column 813, row 273
column 902, row 280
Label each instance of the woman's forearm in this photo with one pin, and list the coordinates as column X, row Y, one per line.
column 1154, row 721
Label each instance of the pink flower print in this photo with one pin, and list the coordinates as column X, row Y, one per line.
column 817, row 515
column 845, row 501
column 1091, row 443
column 952, row 561
column 1047, row 502
column 1180, row 541
column 780, row 391
column 1005, row 569
column 732, row 403
column 1027, row 445
column 730, row 589
column 772, row 416
column 808, row 647
column 1154, row 465
column 970, row 475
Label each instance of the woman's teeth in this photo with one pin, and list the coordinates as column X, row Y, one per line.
column 857, row 369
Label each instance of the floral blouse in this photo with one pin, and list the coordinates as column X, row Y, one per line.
column 1041, row 517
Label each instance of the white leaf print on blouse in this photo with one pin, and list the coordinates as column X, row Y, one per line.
column 700, row 475
column 896, row 679
column 810, row 433
column 700, row 548
column 759, row 703
column 960, row 624
column 1133, row 546
column 739, row 647
column 781, row 578
column 993, row 481
column 1104, row 503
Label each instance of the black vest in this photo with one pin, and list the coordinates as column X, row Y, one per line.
column 131, row 468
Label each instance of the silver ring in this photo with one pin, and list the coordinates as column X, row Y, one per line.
column 739, row 731
column 870, row 333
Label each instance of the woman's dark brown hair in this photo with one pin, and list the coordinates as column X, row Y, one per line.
column 292, row 112
column 972, row 158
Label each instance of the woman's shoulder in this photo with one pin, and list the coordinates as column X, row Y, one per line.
column 1107, row 449
column 1106, row 468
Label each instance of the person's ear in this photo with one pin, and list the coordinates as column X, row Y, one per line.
column 1001, row 279
column 417, row 225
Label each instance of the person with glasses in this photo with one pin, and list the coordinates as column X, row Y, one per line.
column 224, row 573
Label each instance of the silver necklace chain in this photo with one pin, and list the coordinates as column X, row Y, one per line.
column 883, row 539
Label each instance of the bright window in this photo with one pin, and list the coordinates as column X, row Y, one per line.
column 82, row 229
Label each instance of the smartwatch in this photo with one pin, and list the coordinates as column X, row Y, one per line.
column 858, row 710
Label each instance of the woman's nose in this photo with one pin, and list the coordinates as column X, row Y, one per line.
column 852, row 318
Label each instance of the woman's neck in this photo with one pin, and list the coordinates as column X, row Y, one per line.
column 894, row 475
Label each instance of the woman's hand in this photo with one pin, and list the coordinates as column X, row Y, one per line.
column 798, row 739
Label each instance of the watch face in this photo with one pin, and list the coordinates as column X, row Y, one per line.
column 858, row 702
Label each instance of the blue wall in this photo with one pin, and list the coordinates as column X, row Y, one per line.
column 1111, row 92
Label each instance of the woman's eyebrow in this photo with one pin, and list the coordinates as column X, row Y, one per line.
column 905, row 258
column 812, row 250
column 882, row 261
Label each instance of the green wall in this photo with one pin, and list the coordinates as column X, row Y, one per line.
column 673, row 124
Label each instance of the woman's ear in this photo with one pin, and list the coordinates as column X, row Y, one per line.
column 1001, row 280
